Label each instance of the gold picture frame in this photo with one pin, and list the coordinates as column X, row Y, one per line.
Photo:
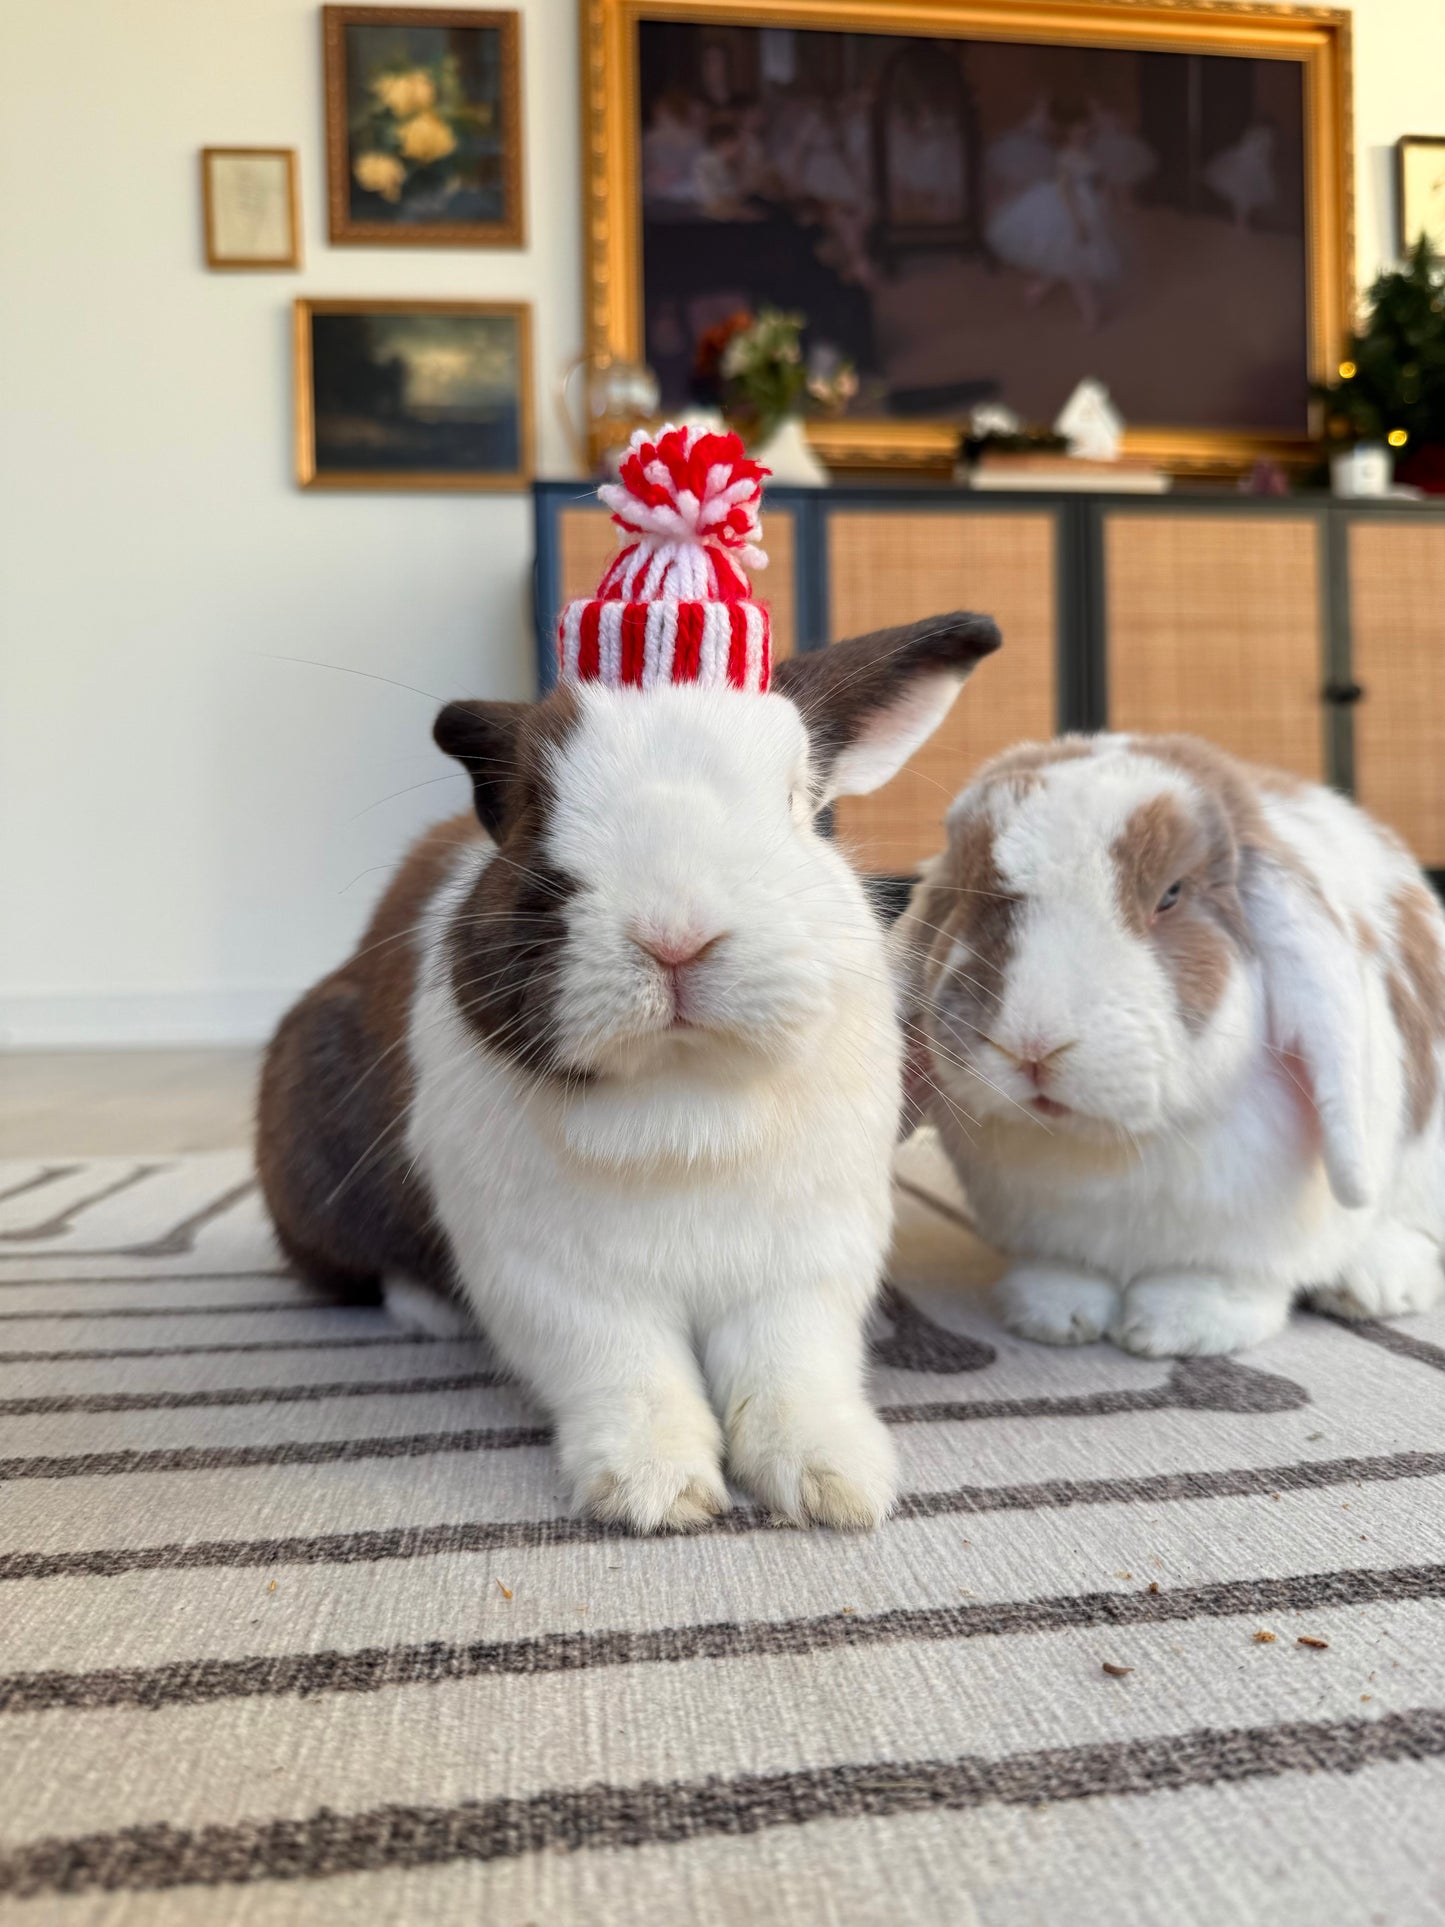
column 1317, row 38
column 229, row 207
column 387, row 430
column 347, row 227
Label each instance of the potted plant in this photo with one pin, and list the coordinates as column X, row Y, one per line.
column 1391, row 383
column 754, row 368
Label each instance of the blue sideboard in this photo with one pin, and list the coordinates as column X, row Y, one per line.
column 1301, row 631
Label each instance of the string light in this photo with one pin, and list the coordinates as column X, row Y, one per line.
column 1347, row 370
column 1397, row 438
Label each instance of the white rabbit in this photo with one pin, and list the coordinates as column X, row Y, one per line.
column 1185, row 1021
column 618, row 1064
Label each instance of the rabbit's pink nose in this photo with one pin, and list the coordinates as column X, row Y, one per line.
column 1040, row 1060
column 676, row 951
column 1036, row 1057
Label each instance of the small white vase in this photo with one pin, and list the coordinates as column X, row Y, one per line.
column 787, row 453
column 1363, row 470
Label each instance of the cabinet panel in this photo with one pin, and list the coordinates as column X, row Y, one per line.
column 1214, row 626
column 887, row 566
column 1397, row 621
column 587, row 539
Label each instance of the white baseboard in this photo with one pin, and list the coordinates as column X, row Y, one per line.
column 108, row 1020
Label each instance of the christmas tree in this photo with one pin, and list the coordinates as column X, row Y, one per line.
column 1391, row 384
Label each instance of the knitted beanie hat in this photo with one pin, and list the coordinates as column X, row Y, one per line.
column 675, row 605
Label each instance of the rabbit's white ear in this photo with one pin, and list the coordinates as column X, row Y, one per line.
column 1315, row 993
column 871, row 701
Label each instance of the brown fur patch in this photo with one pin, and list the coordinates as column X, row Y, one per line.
column 1421, row 1079
column 1168, row 841
column 964, row 900
column 839, row 690
column 505, row 940
column 1278, row 782
column 335, row 1091
column 1230, row 784
column 1233, row 785
column 1367, row 936
column 336, row 1086
column 1022, row 769
column 1030, row 759
column 1416, row 990
column 1417, row 933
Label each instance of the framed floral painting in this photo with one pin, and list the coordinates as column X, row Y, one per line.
column 423, row 127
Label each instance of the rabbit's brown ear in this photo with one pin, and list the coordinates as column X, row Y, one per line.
column 483, row 738
column 870, row 702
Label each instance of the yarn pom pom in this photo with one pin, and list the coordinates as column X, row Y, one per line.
column 690, row 487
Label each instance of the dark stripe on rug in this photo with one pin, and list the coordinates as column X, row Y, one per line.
column 127, row 1277
column 510, row 1535
column 436, row 1662
column 227, row 1458
column 270, row 1306
column 47, row 1176
column 96, row 1354
column 1404, row 1344
column 1212, row 1384
column 181, row 1237
column 1193, row 1384
column 654, row 1813
column 57, row 1226
column 46, row 1405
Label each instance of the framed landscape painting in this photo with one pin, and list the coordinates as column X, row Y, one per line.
column 423, row 127
column 413, row 394
column 983, row 201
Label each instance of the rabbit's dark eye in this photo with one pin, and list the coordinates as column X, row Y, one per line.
column 1170, row 897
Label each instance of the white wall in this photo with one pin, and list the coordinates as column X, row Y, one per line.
column 191, row 829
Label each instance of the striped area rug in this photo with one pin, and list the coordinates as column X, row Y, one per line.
column 295, row 1626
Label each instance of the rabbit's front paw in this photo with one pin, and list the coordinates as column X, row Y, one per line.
column 1396, row 1272
column 1055, row 1305
column 662, row 1474
column 1187, row 1316
column 829, row 1468
column 657, row 1495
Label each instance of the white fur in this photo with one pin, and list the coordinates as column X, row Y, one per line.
column 867, row 763
column 679, row 1254
column 1203, row 1178
column 417, row 1308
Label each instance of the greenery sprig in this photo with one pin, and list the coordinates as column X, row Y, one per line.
column 1391, row 381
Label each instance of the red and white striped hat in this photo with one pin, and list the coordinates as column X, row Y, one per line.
column 676, row 606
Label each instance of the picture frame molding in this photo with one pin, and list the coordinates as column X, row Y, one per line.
column 1318, row 37
column 342, row 229
column 228, row 264
column 1404, row 240
column 437, row 481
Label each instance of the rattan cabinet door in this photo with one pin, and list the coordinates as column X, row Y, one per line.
column 1213, row 625
column 587, row 539
column 887, row 566
column 1397, row 629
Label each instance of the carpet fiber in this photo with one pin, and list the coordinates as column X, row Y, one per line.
column 295, row 1626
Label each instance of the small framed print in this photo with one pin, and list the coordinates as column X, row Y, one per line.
column 1420, row 190
column 423, row 127
column 413, row 394
column 252, row 207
